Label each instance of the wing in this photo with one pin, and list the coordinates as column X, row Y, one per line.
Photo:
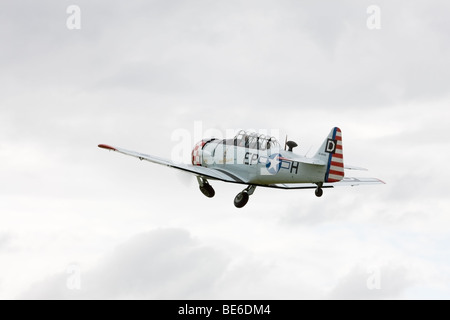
column 207, row 173
column 347, row 181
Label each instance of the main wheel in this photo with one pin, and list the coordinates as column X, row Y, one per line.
column 207, row 190
column 319, row 192
column 241, row 199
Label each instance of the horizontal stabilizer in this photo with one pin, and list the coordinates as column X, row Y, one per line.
column 351, row 167
column 346, row 182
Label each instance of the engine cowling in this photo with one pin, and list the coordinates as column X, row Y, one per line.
column 200, row 156
column 197, row 154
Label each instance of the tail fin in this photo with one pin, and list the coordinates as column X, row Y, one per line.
column 331, row 153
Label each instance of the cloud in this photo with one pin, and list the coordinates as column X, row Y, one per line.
column 5, row 240
column 260, row 53
column 139, row 70
column 374, row 282
column 337, row 205
column 160, row 264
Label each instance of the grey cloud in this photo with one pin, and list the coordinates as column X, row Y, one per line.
column 165, row 263
column 262, row 55
column 151, row 78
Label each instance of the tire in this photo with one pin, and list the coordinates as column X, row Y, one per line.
column 241, row 199
column 207, row 190
column 319, row 192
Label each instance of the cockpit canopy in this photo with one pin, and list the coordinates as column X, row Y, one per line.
column 253, row 140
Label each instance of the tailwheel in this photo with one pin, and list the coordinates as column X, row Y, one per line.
column 319, row 192
column 241, row 199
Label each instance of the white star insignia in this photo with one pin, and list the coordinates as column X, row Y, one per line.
column 274, row 164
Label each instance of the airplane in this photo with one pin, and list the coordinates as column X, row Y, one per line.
column 257, row 160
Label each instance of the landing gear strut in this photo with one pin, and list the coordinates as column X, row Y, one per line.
column 205, row 187
column 242, row 197
column 319, row 191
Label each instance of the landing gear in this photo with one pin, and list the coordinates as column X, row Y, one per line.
column 319, row 191
column 205, row 187
column 242, row 198
column 207, row 190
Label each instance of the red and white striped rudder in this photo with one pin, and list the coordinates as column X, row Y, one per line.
column 335, row 168
column 331, row 152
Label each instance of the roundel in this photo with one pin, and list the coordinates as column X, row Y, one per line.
column 274, row 163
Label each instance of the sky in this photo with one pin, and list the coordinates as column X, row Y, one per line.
column 77, row 222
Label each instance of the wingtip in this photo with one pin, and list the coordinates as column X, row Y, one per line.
column 105, row 146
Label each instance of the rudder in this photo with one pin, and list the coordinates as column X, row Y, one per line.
column 331, row 152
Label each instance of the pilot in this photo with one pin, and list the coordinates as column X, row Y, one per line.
column 247, row 141
column 243, row 141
